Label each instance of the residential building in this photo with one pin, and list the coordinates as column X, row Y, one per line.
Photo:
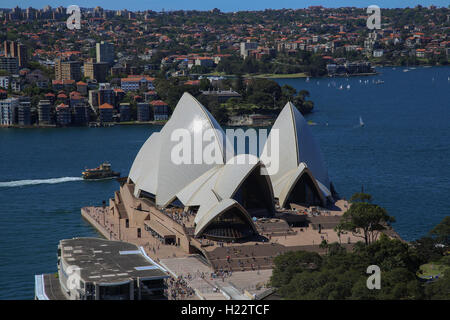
column 82, row 88
column 106, row 112
column 7, row 110
column 37, row 78
column 221, row 95
column 80, row 114
column 150, row 95
column 106, row 94
column 16, row 50
column 378, row 53
column 4, row 82
column 125, row 112
column 246, row 47
column 44, row 112
column 9, row 64
column 96, row 70
column 204, row 62
column 160, row 110
column 67, row 70
column 63, row 115
column 105, row 52
column 134, row 83
column 143, row 112
column 420, row 53
column 24, row 113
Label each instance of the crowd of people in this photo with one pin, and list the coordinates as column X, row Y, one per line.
column 180, row 216
column 178, row 289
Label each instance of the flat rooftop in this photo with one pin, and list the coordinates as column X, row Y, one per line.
column 106, row 261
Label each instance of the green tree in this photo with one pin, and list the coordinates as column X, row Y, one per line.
column 442, row 231
column 365, row 220
column 291, row 263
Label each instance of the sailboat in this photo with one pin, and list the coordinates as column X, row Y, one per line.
column 361, row 123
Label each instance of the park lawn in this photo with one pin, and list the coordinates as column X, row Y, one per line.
column 432, row 269
column 282, row 76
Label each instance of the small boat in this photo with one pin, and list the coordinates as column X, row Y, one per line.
column 101, row 172
column 340, row 88
column 361, row 123
column 348, row 87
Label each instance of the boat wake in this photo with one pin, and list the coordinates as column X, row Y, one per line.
column 21, row 183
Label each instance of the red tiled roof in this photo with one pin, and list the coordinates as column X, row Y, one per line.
column 158, row 103
column 106, row 106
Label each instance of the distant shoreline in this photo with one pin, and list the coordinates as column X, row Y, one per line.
column 107, row 125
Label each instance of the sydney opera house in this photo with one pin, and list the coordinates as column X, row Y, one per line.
column 236, row 200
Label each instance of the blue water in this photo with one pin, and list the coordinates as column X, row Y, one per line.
column 401, row 156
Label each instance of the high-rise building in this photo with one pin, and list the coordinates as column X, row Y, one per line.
column 106, row 94
column 96, row 70
column 24, row 113
column 9, row 64
column 30, row 13
column 4, row 82
column 44, row 112
column 106, row 112
column 105, row 52
column 63, row 115
column 80, row 114
column 143, row 111
column 246, row 47
column 125, row 113
column 67, row 70
column 7, row 110
column 160, row 110
column 16, row 50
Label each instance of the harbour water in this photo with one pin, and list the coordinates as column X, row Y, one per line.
column 401, row 156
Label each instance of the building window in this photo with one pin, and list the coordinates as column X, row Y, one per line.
column 139, row 232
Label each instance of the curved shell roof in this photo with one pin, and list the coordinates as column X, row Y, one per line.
column 172, row 178
column 285, row 187
column 296, row 145
column 211, row 186
column 144, row 171
column 154, row 170
column 218, row 209
column 224, row 183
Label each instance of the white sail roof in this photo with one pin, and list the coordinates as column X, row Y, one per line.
column 189, row 115
column 224, row 183
column 218, row 209
column 296, row 145
column 144, row 171
column 154, row 169
column 288, row 182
